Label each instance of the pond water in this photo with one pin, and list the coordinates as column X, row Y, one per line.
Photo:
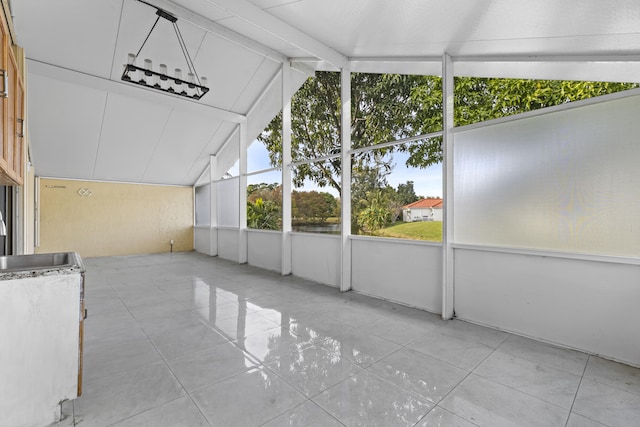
column 325, row 228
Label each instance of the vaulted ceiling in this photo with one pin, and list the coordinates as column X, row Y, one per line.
column 85, row 123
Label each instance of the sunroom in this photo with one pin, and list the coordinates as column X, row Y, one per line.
column 535, row 262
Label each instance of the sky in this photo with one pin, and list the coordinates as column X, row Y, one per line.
column 426, row 182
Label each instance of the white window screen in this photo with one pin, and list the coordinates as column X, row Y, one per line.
column 229, row 202
column 203, row 205
column 567, row 181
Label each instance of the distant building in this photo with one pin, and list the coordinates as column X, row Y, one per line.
column 423, row 210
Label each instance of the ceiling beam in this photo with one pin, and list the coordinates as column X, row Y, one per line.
column 217, row 29
column 134, row 91
column 268, row 23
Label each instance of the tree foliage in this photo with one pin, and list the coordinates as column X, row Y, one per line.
column 264, row 191
column 376, row 213
column 383, row 109
column 387, row 107
column 312, row 206
column 265, row 215
column 406, row 193
column 264, row 206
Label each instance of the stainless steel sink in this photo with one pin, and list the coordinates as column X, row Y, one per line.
column 37, row 261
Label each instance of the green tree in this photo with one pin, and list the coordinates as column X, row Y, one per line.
column 264, row 191
column 383, row 109
column 265, row 215
column 481, row 99
column 376, row 212
column 312, row 206
column 406, row 194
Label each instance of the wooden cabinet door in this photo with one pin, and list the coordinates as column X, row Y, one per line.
column 4, row 91
column 12, row 70
column 18, row 146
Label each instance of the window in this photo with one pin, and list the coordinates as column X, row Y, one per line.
column 203, row 205
column 264, row 200
column 392, row 195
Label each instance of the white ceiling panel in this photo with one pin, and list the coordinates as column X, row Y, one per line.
column 556, row 46
column 270, row 103
column 76, row 34
column 507, row 19
column 64, row 127
column 182, row 142
column 250, row 30
column 267, row 4
column 261, row 78
column 214, row 146
column 131, row 130
column 229, row 70
column 204, row 8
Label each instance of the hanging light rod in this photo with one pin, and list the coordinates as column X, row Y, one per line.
column 194, row 87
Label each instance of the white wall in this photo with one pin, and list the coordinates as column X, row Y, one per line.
column 417, row 214
column 205, row 240
column 398, row 270
column 229, row 243
column 265, row 249
column 583, row 304
column 316, row 257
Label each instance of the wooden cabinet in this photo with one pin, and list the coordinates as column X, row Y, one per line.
column 12, row 112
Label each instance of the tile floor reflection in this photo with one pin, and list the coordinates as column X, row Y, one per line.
column 189, row 340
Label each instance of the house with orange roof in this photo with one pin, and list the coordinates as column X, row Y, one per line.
column 423, row 210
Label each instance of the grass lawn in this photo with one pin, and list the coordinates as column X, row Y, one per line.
column 425, row 230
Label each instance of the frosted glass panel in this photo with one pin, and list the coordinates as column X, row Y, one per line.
column 228, row 202
column 203, row 205
column 567, row 181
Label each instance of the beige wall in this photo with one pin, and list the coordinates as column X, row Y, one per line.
column 117, row 219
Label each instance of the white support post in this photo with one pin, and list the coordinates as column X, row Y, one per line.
column 213, row 193
column 286, row 168
column 447, row 182
column 242, row 182
column 345, row 197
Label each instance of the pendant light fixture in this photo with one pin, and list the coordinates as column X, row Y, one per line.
column 193, row 87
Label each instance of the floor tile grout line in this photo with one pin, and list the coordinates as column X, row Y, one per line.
column 523, row 392
column 469, row 373
column 609, row 384
column 575, row 396
column 407, row 346
column 446, row 410
column 145, row 411
column 168, row 366
column 307, row 400
column 538, row 362
column 377, row 376
column 360, row 369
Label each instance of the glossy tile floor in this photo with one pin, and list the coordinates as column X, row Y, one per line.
column 189, row 340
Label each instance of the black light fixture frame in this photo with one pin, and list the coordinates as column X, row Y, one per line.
column 163, row 77
column 199, row 90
